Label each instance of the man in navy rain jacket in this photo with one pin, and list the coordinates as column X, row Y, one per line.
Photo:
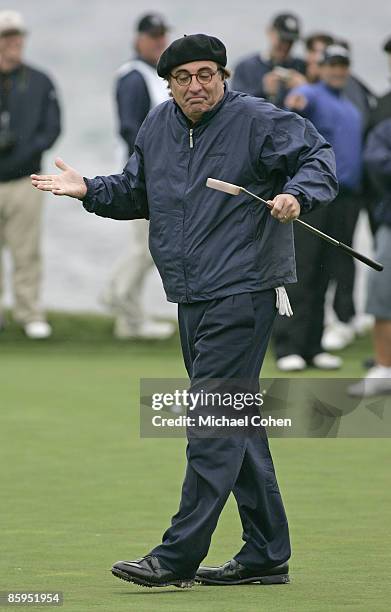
column 221, row 259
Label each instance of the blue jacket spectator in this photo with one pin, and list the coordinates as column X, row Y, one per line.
column 133, row 104
column 138, row 87
column 299, row 342
column 340, row 123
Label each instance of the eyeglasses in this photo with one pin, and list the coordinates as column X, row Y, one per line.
column 203, row 77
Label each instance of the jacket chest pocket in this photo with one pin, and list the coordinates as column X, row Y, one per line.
column 214, row 165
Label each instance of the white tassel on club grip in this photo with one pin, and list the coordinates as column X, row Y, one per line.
column 282, row 302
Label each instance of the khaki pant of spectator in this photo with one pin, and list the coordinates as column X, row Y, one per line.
column 20, row 232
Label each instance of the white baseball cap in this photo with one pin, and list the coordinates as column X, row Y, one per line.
column 11, row 22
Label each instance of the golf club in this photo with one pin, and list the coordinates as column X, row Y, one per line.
column 236, row 190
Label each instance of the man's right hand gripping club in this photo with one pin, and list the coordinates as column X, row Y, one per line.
column 69, row 182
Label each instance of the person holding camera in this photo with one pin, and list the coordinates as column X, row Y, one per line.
column 272, row 75
column 29, row 125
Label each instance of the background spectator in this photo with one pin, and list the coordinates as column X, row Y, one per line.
column 359, row 93
column 138, row 89
column 315, row 44
column 340, row 332
column 272, row 76
column 29, row 125
column 378, row 160
column 383, row 108
column 298, row 341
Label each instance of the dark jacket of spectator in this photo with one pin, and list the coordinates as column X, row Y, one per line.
column 362, row 97
column 29, row 97
column 382, row 110
column 133, row 104
column 377, row 157
column 250, row 71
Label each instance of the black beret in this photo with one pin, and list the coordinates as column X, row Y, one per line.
column 191, row 48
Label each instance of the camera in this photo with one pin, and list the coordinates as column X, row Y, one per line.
column 283, row 73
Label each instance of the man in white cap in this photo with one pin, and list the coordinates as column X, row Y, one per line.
column 29, row 125
column 138, row 89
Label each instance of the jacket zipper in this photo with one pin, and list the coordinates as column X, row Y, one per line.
column 191, row 145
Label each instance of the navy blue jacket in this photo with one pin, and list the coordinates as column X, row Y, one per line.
column 133, row 105
column 377, row 156
column 381, row 111
column 205, row 243
column 249, row 73
column 35, row 120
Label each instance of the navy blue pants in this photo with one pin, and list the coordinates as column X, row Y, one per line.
column 227, row 338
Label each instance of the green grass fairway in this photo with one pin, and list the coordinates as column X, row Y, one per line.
column 80, row 490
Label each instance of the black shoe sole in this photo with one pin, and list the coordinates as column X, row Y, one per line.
column 180, row 584
column 276, row 579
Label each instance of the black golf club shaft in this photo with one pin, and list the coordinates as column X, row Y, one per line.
column 340, row 245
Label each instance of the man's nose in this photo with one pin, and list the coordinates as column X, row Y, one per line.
column 194, row 84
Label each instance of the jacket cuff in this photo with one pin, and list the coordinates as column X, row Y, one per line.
column 89, row 199
column 305, row 205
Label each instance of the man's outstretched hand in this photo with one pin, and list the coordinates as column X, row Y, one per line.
column 69, row 182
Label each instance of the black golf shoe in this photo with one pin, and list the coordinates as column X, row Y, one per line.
column 147, row 571
column 233, row 572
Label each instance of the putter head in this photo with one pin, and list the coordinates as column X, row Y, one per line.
column 223, row 186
